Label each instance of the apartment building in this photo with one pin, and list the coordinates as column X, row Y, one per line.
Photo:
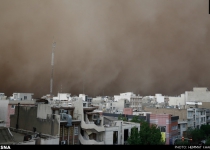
column 22, row 96
column 196, row 117
column 188, row 115
column 50, row 119
column 168, row 126
column 118, row 131
column 92, row 129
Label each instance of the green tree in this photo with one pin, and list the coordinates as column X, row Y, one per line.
column 207, row 142
column 136, row 119
column 120, row 117
column 197, row 135
column 180, row 142
column 206, row 130
column 148, row 135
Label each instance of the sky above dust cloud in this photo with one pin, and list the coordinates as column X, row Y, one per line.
column 109, row 46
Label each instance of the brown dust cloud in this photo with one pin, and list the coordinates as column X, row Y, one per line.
column 104, row 47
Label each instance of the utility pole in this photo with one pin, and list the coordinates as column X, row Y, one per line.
column 52, row 65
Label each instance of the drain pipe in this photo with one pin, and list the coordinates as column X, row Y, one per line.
column 17, row 126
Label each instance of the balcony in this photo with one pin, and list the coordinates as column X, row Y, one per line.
column 93, row 125
column 85, row 141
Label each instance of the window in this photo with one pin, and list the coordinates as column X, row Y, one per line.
column 13, row 106
column 25, row 97
column 174, row 127
column 75, row 130
column 183, row 126
column 162, row 129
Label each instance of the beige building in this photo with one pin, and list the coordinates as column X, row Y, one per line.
column 195, row 117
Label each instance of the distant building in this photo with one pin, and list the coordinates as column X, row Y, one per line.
column 63, row 97
column 188, row 118
column 2, row 96
column 21, row 96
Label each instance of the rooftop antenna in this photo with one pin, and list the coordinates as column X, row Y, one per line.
column 83, row 88
column 52, row 65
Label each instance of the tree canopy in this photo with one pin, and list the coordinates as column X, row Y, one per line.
column 148, row 135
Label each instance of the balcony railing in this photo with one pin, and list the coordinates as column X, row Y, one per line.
column 83, row 140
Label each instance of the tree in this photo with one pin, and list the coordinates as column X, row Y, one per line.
column 148, row 135
column 206, row 130
column 207, row 141
column 197, row 135
column 180, row 142
column 136, row 119
column 120, row 117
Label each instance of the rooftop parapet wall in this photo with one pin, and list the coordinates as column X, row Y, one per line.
column 28, row 119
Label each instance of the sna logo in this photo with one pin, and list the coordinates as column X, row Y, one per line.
column 5, row 147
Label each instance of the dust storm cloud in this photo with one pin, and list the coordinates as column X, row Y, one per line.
column 109, row 46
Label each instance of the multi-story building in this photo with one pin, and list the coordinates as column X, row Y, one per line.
column 168, row 125
column 53, row 119
column 188, row 118
column 2, row 96
column 196, row 117
column 22, row 96
column 92, row 129
column 63, row 97
column 182, row 127
column 135, row 100
column 118, row 131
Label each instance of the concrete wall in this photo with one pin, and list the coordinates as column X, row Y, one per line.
column 120, row 104
column 28, row 119
column 173, row 101
column 198, row 94
column 182, row 113
column 4, row 110
column 204, row 105
column 43, row 111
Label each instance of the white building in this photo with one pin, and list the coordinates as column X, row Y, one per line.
column 177, row 101
column 2, row 96
column 126, row 95
column 63, row 97
column 118, row 131
column 182, row 126
column 22, row 96
column 135, row 100
column 196, row 117
column 159, row 98
column 198, row 94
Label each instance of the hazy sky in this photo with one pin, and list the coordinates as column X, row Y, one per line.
column 110, row 46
